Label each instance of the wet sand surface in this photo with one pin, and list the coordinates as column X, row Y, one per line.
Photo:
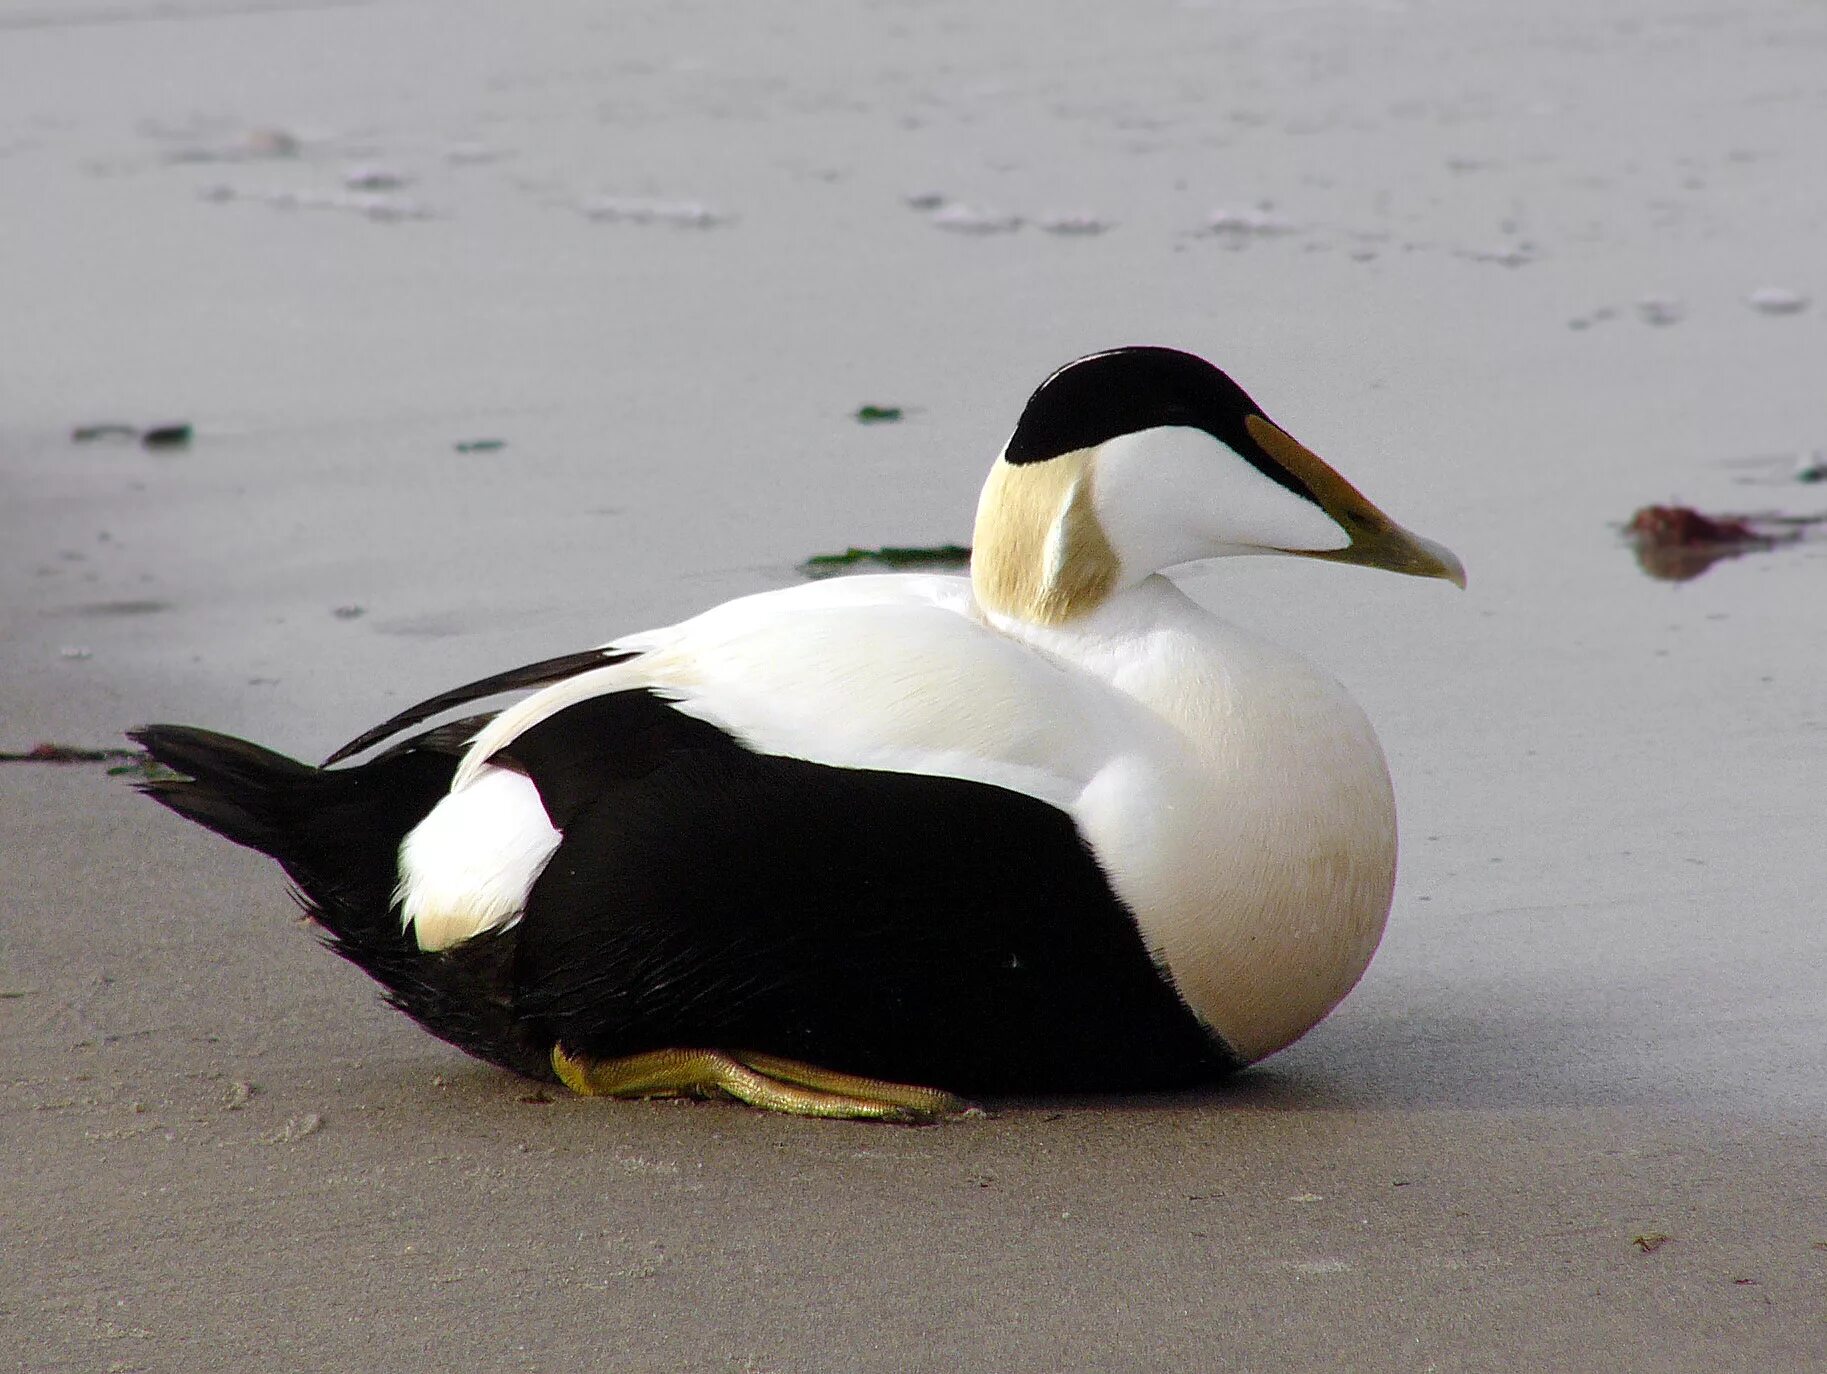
column 1494, row 262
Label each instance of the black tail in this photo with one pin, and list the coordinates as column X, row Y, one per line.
column 337, row 834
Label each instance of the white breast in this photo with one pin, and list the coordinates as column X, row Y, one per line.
column 1259, row 861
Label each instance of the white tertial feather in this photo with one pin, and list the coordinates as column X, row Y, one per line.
column 469, row 865
column 871, row 672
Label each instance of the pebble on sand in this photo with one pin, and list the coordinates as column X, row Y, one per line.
column 374, row 179
column 85, row 434
column 167, row 436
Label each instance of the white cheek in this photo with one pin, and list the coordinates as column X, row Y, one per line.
column 1175, row 494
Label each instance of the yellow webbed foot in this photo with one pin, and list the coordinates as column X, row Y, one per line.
column 760, row 1080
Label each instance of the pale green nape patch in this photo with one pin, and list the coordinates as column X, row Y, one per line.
column 1039, row 553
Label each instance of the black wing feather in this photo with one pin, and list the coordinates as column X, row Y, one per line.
column 541, row 674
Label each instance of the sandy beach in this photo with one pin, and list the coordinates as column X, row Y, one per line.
column 502, row 330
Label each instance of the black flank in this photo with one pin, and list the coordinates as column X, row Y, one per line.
column 915, row 928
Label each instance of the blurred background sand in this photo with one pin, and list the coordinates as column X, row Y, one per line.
column 1495, row 262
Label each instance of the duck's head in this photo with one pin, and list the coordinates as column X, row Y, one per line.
column 1133, row 461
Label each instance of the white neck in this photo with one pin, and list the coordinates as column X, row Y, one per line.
column 1257, row 845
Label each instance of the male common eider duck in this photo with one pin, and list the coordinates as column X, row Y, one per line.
column 1053, row 827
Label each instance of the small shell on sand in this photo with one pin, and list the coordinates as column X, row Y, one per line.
column 1519, row 254
column 1777, row 300
column 1247, row 224
column 377, row 205
column 678, row 214
column 272, row 143
column 380, row 206
column 1075, row 224
column 254, row 146
column 473, row 154
column 957, row 218
column 295, row 1129
column 374, row 179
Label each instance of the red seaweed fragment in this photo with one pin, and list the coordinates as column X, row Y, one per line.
column 46, row 752
column 1677, row 543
